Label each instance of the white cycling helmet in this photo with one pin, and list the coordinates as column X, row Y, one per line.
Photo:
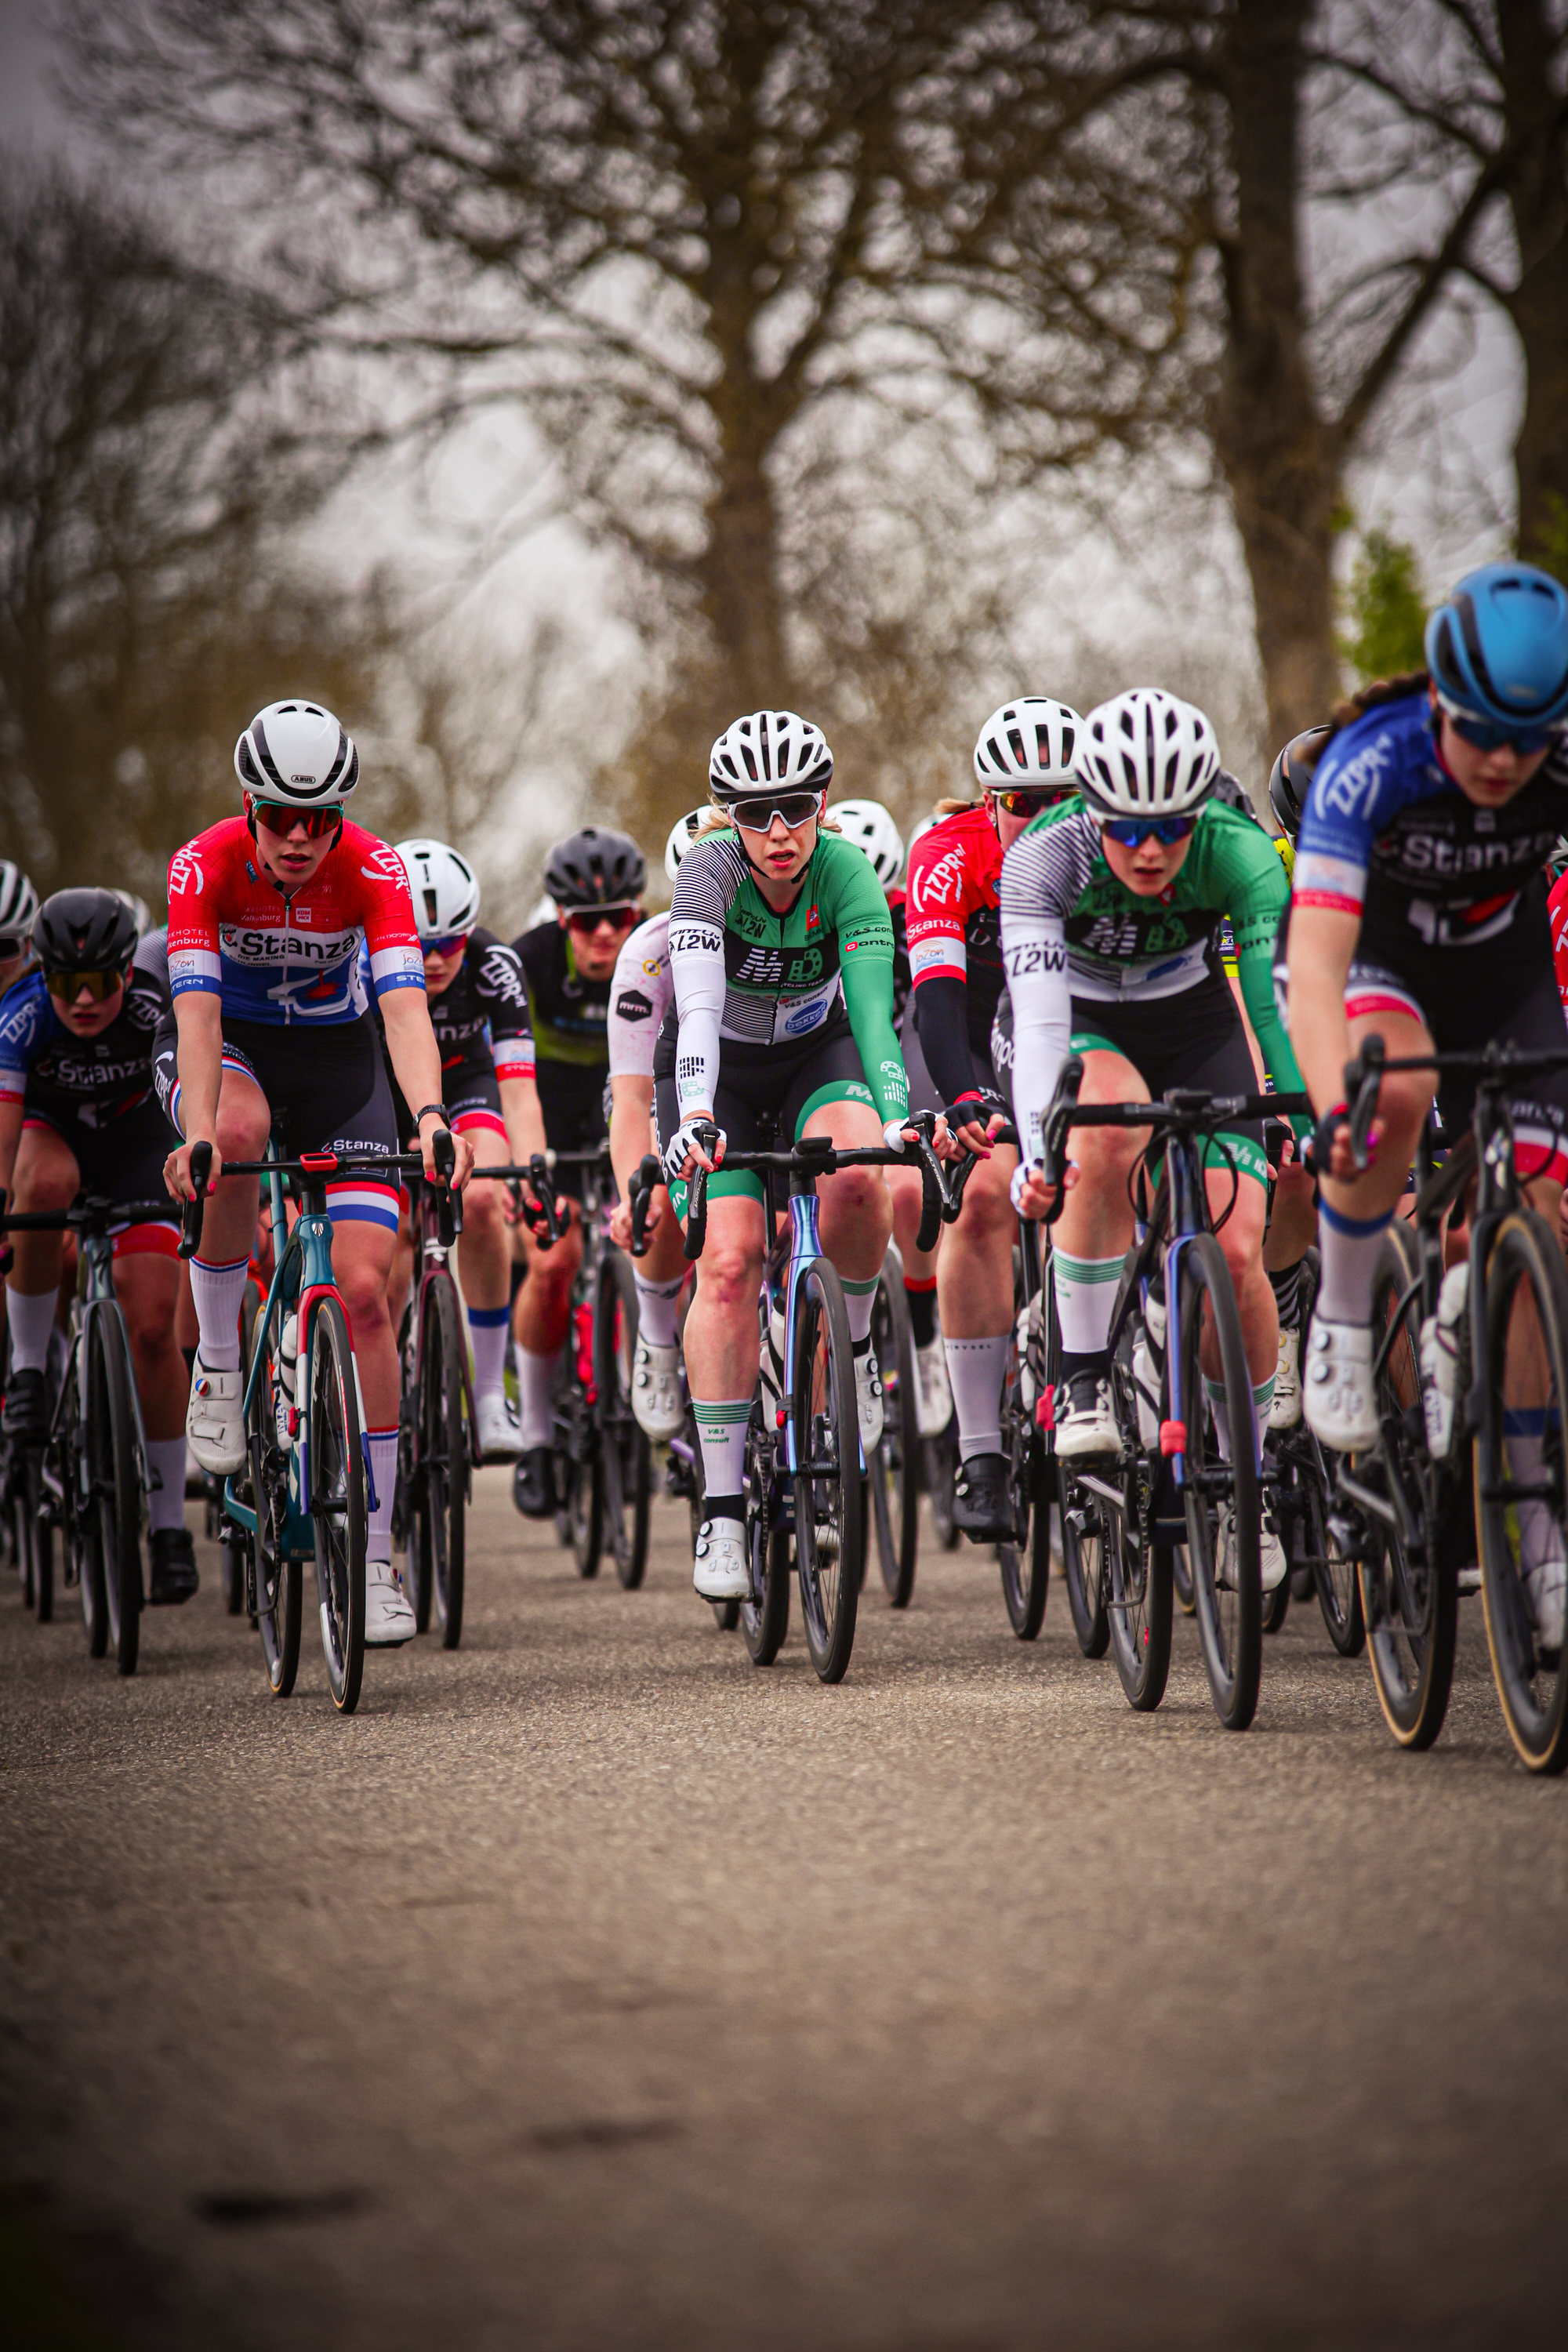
column 298, row 753
column 1029, row 743
column 18, row 904
column 141, row 913
column 1146, row 753
column 682, row 834
column 442, row 885
column 768, row 750
column 869, row 825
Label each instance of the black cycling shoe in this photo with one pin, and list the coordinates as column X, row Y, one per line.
column 174, row 1573
column 983, row 1499
column 24, row 1417
column 533, row 1483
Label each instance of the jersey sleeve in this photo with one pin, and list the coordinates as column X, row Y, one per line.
column 1249, row 874
column 502, row 992
column 1557, row 914
column 865, row 930
column 1370, row 770
column 639, row 999
column 25, row 1022
column 704, row 888
column 940, row 898
column 1043, row 876
column 196, row 889
column 387, row 910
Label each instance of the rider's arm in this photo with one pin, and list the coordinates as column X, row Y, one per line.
column 198, row 1018
column 416, row 1059
column 21, row 1024
column 864, row 928
column 1257, row 893
column 1043, row 876
column 1322, row 941
column 10, row 1137
column 935, row 912
column 631, row 1126
column 524, row 1119
column 697, row 969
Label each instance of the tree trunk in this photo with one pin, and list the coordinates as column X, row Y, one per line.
column 1282, row 460
column 1538, row 202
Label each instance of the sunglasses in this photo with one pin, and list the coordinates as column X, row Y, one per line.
column 589, row 919
column 1027, row 804
column 274, row 817
column 68, row 985
column 11, row 948
column 1488, row 738
column 795, row 808
column 1131, row 830
column 447, row 946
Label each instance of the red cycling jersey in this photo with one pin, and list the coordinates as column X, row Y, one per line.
column 956, row 936
column 281, row 957
column 1557, row 912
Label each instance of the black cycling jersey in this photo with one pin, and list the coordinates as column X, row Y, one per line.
column 896, row 908
column 480, row 1018
column 571, row 1040
column 91, row 1081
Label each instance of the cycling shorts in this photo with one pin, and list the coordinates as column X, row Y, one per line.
column 1194, row 1038
column 328, row 1090
column 765, row 1093
column 1519, row 1004
column 470, row 1096
column 122, row 1162
column 924, row 1093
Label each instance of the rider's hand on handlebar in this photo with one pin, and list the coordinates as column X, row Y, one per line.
column 686, row 1154
column 1031, row 1196
column 1341, row 1166
column 430, row 1127
column 177, row 1171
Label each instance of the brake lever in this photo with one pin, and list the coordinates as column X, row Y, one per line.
column 696, row 1198
column 1053, row 1145
column 193, row 1211
column 543, row 1224
column 649, row 1174
column 448, row 1204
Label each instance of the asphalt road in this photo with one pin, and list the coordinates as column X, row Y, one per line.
column 593, row 1988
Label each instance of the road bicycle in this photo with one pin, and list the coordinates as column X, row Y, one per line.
column 436, row 1419
column 601, row 1459
column 894, row 1473
column 1298, row 1477
column 1172, row 1482
column 805, row 1468
column 88, row 1476
column 306, row 1490
column 1406, row 1512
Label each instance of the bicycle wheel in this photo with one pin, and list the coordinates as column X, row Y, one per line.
column 893, row 1477
column 1334, row 1578
column 441, row 1498
column 830, row 1524
column 38, row 1537
column 939, row 1463
column 79, row 1556
column 1182, row 1580
column 1025, row 1564
column 336, row 1466
column 1409, row 1599
column 1135, row 1575
column 1275, row 1605
column 763, row 1622
column 1521, row 1503
column 279, row 1578
column 1224, row 1562
column 1083, row 1559
column 114, row 1488
column 625, row 1455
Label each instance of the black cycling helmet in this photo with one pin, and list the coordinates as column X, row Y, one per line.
column 1291, row 778
column 84, row 930
column 595, row 868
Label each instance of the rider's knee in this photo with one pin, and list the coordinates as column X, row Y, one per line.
column 363, row 1285
column 43, row 1184
column 857, row 1195
column 728, row 1274
column 482, row 1211
column 1403, row 1103
column 149, row 1320
column 243, row 1126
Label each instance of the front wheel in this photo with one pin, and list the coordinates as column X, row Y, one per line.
column 625, row 1455
column 113, row 1516
column 1223, row 1523
column 1083, row 1560
column 443, row 1475
column 279, row 1578
column 829, row 1527
column 940, row 1466
column 336, row 1468
column 1521, row 1498
column 1409, row 1593
column 764, row 1618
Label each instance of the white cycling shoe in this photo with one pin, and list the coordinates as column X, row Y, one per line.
column 1285, row 1409
column 388, row 1613
column 655, row 1392
column 1546, row 1589
column 495, row 1430
column 1271, row 1560
column 719, row 1566
column 1085, row 1422
column 1337, row 1398
column 933, row 1403
column 869, row 1400
column 215, row 1419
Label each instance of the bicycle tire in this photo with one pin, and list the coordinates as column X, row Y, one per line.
column 75, row 1545
column 623, row 1449
column 1277, row 1605
column 830, row 1521
column 1334, row 1578
column 938, row 1464
column 441, row 1499
column 1532, row 1685
column 893, row 1476
column 1230, row 1629
column 338, row 1501
column 1410, row 1610
column 114, row 1488
column 1083, row 1562
column 280, row 1578
column 1135, row 1579
column 38, row 1539
column 1182, row 1580
column 764, row 1622
column 1025, row 1564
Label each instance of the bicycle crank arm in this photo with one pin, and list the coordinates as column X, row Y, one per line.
column 1106, row 1493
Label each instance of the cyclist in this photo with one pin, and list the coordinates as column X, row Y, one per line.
column 640, row 995
column 267, row 913
column 1419, row 911
column 782, row 953
column 595, row 878
column 78, row 1113
column 18, row 904
column 1111, row 907
column 479, row 1010
column 1023, row 763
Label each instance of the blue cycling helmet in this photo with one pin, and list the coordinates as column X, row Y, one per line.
column 1499, row 649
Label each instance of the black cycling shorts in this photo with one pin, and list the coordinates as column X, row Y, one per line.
column 122, row 1162
column 1194, row 1038
column 328, row 1090
column 470, row 1096
column 764, row 1094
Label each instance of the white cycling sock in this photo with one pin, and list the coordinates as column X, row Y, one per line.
column 1540, row 1536
column 1262, row 1398
column 657, row 1321
column 1349, row 1247
column 382, row 1445
column 721, row 1431
column 857, row 1300
column 975, row 1369
column 32, row 1319
column 535, row 1379
column 1086, row 1296
column 487, row 1332
column 217, row 1291
column 166, row 1460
